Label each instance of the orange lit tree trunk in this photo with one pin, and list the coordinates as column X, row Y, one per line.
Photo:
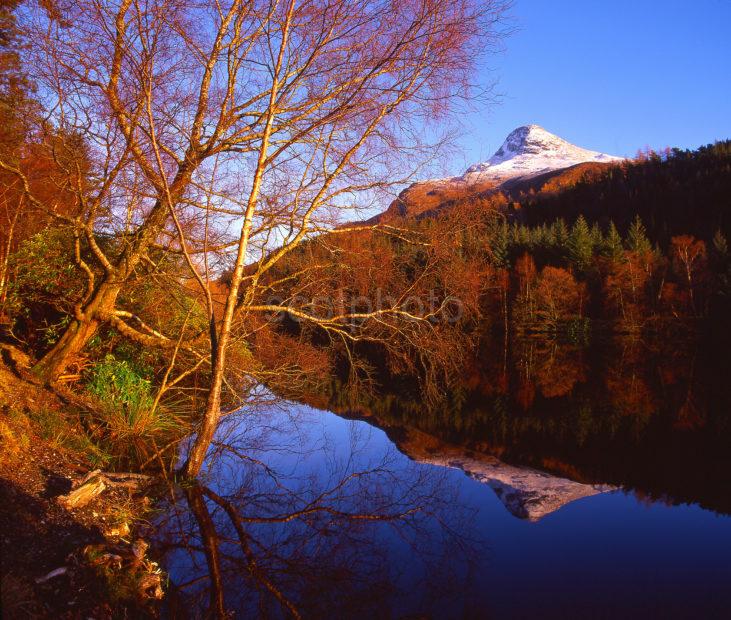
column 101, row 299
column 219, row 344
column 79, row 332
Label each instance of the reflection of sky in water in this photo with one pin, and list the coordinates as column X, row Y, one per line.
column 608, row 552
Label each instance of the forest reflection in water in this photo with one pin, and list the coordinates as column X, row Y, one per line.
column 650, row 416
column 615, row 459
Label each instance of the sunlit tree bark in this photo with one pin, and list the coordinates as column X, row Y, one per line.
column 232, row 133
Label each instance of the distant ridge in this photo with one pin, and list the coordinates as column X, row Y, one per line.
column 530, row 155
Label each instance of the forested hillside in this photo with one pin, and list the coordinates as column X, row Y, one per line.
column 633, row 248
column 674, row 193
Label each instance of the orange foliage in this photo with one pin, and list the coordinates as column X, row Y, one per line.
column 625, row 289
column 558, row 296
column 558, row 375
column 630, row 394
column 689, row 263
column 525, row 270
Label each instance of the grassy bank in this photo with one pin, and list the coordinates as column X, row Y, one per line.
column 61, row 562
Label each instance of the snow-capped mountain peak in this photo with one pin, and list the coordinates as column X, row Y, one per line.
column 531, row 150
column 528, row 153
column 527, row 493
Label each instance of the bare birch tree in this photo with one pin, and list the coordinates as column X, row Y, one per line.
column 233, row 132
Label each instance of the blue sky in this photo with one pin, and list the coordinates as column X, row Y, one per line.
column 612, row 76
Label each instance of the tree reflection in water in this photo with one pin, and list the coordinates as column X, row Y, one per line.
column 313, row 531
column 644, row 416
column 304, row 512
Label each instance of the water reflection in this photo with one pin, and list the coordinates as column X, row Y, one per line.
column 557, row 481
column 644, row 416
column 299, row 517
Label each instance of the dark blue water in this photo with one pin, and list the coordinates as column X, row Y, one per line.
column 335, row 521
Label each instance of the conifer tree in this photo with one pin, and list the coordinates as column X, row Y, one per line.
column 514, row 234
column 580, row 245
column 536, row 236
column 637, row 240
column 560, row 234
column 500, row 244
column 539, row 240
column 545, row 236
column 596, row 236
column 720, row 245
column 612, row 246
column 524, row 236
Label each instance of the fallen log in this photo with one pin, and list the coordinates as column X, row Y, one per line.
column 54, row 573
column 95, row 483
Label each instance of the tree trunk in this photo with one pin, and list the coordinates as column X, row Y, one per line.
column 79, row 332
column 102, row 303
column 6, row 251
column 209, row 538
column 204, row 437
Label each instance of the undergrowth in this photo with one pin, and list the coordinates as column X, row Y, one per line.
column 15, row 434
column 67, row 433
column 131, row 419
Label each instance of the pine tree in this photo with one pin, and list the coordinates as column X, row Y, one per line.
column 500, row 245
column 580, row 245
column 524, row 237
column 596, row 236
column 514, row 234
column 547, row 235
column 720, row 245
column 536, row 237
column 560, row 234
column 637, row 240
column 612, row 246
column 542, row 239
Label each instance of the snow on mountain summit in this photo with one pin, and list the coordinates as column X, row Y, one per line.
column 518, row 165
column 529, row 151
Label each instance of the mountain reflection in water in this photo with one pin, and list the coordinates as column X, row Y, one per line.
column 616, row 462
column 526, row 492
column 647, row 417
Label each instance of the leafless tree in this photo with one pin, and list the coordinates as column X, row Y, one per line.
column 231, row 133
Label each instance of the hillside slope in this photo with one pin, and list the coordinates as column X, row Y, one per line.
column 530, row 161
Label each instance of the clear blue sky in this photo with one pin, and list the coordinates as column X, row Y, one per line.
column 612, row 76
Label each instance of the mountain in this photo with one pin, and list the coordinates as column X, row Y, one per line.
column 529, row 159
column 530, row 151
column 527, row 493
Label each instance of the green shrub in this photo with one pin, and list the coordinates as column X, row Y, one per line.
column 44, row 284
column 118, row 383
column 127, row 401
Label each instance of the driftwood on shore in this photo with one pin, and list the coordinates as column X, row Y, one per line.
column 95, row 483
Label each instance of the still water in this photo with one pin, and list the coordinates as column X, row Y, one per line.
column 578, row 484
